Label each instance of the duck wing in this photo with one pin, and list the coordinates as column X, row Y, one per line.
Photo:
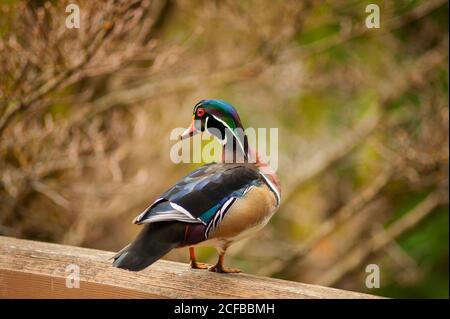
column 204, row 195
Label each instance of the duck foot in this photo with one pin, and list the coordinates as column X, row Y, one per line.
column 223, row 270
column 199, row 265
column 194, row 263
column 219, row 268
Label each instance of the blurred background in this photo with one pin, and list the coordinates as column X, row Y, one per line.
column 85, row 118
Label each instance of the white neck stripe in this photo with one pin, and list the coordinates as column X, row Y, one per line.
column 272, row 188
column 232, row 132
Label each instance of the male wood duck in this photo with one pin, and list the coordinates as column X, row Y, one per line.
column 215, row 205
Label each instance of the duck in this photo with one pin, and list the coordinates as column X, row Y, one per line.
column 215, row 205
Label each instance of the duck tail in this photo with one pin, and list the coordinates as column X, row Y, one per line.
column 153, row 242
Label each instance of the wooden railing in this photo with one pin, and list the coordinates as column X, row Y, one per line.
column 30, row 269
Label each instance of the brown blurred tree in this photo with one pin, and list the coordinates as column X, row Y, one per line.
column 85, row 116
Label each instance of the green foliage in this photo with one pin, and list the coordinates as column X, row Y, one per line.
column 428, row 245
column 318, row 33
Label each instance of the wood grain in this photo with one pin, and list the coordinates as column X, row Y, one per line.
column 30, row 269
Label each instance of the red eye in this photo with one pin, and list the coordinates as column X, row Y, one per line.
column 200, row 112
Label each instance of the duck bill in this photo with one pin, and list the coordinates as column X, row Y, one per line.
column 191, row 131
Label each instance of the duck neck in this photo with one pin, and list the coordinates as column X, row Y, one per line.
column 235, row 148
column 238, row 151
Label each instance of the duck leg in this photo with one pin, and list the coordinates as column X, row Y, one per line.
column 194, row 263
column 220, row 268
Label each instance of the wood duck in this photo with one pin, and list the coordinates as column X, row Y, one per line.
column 215, row 205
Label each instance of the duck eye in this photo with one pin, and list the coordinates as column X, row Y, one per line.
column 200, row 112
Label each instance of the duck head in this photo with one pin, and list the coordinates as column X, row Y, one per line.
column 221, row 120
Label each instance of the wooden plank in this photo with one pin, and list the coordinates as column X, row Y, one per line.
column 30, row 269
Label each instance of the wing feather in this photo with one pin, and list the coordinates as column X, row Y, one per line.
column 203, row 196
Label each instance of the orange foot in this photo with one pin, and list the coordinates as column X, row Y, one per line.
column 199, row 265
column 221, row 269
